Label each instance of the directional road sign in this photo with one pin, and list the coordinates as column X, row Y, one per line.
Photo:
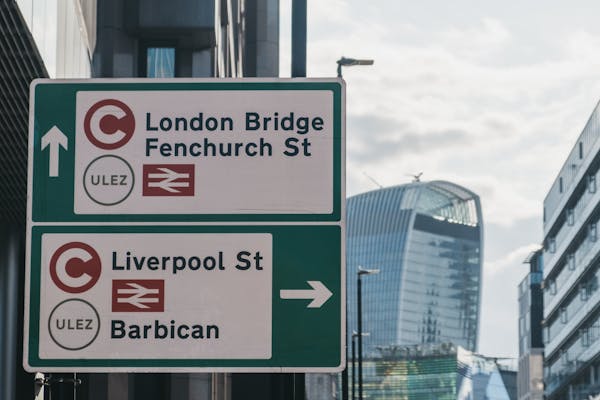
column 186, row 225
column 187, row 151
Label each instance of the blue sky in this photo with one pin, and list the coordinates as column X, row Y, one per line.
column 490, row 95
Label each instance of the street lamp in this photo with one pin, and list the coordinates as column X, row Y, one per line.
column 361, row 271
column 350, row 62
column 354, row 336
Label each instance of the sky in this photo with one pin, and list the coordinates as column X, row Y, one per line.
column 489, row 95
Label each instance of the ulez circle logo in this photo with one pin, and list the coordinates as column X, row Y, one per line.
column 108, row 180
column 109, row 124
column 74, row 324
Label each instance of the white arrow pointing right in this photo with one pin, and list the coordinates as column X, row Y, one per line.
column 55, row 139
column 319, row 294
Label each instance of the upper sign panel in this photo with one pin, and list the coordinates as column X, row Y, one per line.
column 186, row 150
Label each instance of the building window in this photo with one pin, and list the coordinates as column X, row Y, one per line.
column 583, row 292
column 564, row 357
column 585, row 337
column 560, row 185
column 591, row 183
column 580, row 150
column 592, row 232
column 552, row 287
column 593, row 332
column 160, row 62
column 551, row 245
column 570, row 216
column 545, row 335
column 571, row 261
column 544, row 216
column 563, row 315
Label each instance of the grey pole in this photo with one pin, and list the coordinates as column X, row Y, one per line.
column 359, row 326
column 299, row 70
column 298, row 38
column 353, row 367
column 359, row 273
column 345, row 371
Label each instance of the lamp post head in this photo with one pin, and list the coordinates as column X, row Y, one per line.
column 365, row 271
column 349, row 62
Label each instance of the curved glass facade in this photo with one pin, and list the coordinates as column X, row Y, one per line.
column 441, row 372
column 426, row 240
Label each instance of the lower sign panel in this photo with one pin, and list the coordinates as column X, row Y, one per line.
column 187, row 299
column 156, row 296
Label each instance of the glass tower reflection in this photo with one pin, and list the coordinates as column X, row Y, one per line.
column 426, row 238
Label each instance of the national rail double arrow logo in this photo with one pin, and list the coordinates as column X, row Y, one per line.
column 138, row 295
column 168, row 180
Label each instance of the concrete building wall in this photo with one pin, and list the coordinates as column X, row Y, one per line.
column 571, row 257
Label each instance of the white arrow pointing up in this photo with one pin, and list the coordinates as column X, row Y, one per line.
column 319, row 294
column 55, row 139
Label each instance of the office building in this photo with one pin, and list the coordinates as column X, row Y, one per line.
column 39, row 39
column 437, row 371
column 531, row 348
column 108, row 38
column 571, row 327
column 186, row 38
column 425, row 238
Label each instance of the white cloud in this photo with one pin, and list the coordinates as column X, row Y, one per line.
column 459, row 117
column 515, row 257
column 487, row 98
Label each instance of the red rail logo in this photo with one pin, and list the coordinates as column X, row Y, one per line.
column 168, row 180
column 138, row 295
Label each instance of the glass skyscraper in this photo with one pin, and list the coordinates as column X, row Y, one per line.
column 426, row 240
column 440, row 372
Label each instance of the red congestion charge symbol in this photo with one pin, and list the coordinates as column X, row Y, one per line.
column 109, row 124
column 75, row 267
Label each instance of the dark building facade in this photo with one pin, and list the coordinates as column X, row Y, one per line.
column 531, row 347
column 109, row 38
column 184, row 38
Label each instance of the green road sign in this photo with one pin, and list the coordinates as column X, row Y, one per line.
column 187, row 151
column 186, row 225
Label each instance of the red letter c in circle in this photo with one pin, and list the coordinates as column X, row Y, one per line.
column 75, row 267
column 109, row 124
